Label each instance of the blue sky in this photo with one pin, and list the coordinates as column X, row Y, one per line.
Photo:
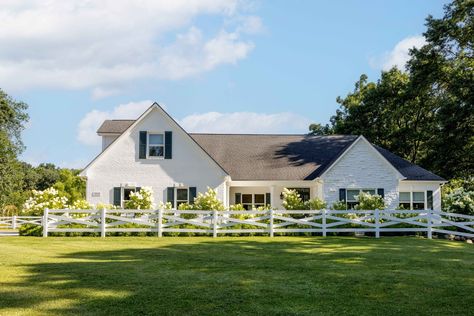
column 216, row 66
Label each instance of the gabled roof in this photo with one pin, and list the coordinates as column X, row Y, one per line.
column 114, row 126
column 281, row 157
column 408, row 169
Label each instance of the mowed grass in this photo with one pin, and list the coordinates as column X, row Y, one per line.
column 225, row 276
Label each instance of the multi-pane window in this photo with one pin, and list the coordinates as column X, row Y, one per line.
column 412, row 200
column 181, row 196
column 251, row 201
column 156, row 145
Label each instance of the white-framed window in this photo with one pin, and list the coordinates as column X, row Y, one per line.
column 415, row 200
column 181, row 196
column 156, row 145
column 404, row 200
column 351, row 194
column 254, row 200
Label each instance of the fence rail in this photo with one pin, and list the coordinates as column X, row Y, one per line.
column 269, row 222
column 15, row 222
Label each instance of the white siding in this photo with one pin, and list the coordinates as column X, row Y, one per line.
column 107, row 140
column 119, row 164
column 423, row 186
column 363, row 168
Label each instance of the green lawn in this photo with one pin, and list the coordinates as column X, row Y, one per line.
column 255, row 275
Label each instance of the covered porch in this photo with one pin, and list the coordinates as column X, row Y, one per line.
column 254, row 194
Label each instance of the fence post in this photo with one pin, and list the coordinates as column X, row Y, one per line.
column 324, row 223
column 160, row 223
column 430, row 225
column 271, row 223
column 45, row 223
column 14, row 222
column 377, row 223
column 214, row 222
column 102, row 222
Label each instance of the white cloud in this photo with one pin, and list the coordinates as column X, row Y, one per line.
column 86, row 132
column 399, row 55
column 245, row 122
column 105, row 43
column 100, row 93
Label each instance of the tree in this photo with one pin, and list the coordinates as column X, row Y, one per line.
column 317, row 129
column 446, row 65
column 426, row 113
column 13, row 116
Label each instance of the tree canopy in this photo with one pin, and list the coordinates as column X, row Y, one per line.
column 424, row 113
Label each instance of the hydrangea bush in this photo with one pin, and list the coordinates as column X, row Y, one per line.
column 141, row 200
column 292, row 201
column 459, row 201
column 41, row 200
column 368, row 201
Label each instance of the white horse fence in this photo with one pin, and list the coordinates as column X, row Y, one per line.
column 14, row 222
column 269, row 222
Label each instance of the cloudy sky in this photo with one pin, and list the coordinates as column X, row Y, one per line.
column 239, row 66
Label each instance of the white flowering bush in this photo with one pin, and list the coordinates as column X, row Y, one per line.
column 81, row 205
column 368, row 201
column 41, row 200
column 141, row 200
column 208, row 201
column 459, row 201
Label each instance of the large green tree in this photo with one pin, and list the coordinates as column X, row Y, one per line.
column 425, row 113
column 13, row 116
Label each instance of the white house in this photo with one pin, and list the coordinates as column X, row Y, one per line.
column 252, row 169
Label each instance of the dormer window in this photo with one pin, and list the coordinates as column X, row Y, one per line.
column 156, row 145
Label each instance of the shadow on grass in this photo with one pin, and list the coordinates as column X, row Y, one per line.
column 252, row 276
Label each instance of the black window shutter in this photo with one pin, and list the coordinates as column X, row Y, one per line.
column 168, row 144
column 170, row 196
column 142, row 145
column 192, row 195
column 429, row 198
column 342, row 195
column 137, row 189
column 238, row 198
column 268, row 199
column 381, row 192
column 117, row 196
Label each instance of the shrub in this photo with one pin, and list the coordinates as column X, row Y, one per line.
column 459, row 201
column 292, row 200
column 208, row 201
column 41, row 200
column 81, row 205
column 368, row 201
column 107, row 206
column 339, row 206
column 315, row 204
column 141, row 200
column 30, row 230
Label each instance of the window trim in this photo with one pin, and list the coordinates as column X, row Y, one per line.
column 411, row 192
column 252, row 204
column 148, row 145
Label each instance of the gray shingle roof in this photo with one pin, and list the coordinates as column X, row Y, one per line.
column 408, row 169
column 273, row 157
column 114, row 126
column 279, row 157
